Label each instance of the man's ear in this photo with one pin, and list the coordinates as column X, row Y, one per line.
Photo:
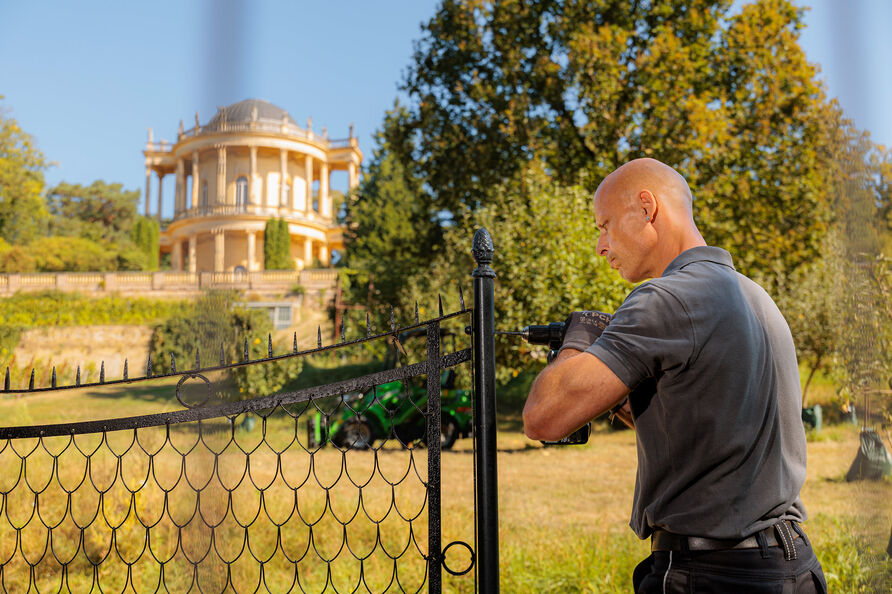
column 649, row 204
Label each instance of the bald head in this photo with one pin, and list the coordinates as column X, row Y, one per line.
column 645, row 216
column 649, row 174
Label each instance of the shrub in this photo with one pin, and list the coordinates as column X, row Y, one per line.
column 72, row 254
column 215, row 322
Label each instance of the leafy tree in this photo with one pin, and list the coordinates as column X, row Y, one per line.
column 582, row 87
column 277, row 246
column 811, row 302
column 216, row 321
column 71, row 254
column 392, row 231
column 545, row 260
column 16, row 258
column 22, row 209
column 144, row 235
column 101, row 211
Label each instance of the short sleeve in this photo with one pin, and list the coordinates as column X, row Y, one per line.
column 650, row 334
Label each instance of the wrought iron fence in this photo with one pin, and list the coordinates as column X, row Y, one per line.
column 334, row 487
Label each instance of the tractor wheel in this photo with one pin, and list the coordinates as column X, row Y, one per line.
column 357, row 434
column 448, row 433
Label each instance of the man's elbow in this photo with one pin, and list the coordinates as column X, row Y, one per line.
column 535, row 426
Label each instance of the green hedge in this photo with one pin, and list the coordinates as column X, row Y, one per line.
column 53, row 308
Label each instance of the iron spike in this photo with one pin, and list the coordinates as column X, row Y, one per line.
column 392, row 320
column 173, row 364
column 149, row 365
column 461, row 297
column 54, row 377
column 343, row 331
column 125, row 368
column 222, row 356
column 269, row 346
column 102, row 373
column 440, row 303
column 247, row 357
column 197, row 359
column 31, row 382
column 6, row 381
column 368, row 325
column 294, row 344
column 416, row 311
column 77, row 377
column 319, row 337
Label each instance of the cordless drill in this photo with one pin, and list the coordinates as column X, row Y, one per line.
column 552, row 336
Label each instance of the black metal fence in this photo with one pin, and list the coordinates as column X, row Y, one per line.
column 331, row 488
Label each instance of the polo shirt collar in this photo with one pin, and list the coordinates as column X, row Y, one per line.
column 704, row 253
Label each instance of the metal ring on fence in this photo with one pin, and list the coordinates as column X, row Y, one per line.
column 197, row 376
column 470, row 551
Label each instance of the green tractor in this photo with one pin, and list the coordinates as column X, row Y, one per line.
column 393, row 410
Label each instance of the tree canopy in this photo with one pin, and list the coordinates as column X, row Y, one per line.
column 581, row 87
column 515, row 110
column 22, row 210
column 100, row 211
column 70, row 227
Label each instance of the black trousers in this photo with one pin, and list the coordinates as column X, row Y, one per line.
column 731, row 571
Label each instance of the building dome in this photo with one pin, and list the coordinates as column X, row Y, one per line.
column 247, row 111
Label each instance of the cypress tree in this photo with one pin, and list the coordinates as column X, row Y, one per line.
column 277, row 246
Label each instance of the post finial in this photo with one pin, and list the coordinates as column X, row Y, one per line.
column 482, row 250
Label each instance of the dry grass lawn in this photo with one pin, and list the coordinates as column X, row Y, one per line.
column 563, row 511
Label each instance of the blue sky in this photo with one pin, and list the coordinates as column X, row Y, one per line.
column 88, row 78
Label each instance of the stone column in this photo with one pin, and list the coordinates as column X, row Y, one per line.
column 160, row 180
column 308, row 166
column 180, row 192
column 221, row 175
column 296, row 189
column 219, row 250
column 308, row 252
column 323, row 254
column 252, row 249
column 176, row 256
column 192, row 264
column 324, row 198
column 195, row 179
column 283, row 176
column 252, row 196
column 353, row 175
column 148, row 189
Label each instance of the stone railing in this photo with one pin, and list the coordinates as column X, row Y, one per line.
column 266, row 281
column 250, row 209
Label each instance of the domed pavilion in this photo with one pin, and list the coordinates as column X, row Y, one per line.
column 251, row 162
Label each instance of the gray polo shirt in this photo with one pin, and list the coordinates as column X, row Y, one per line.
column 715, row 397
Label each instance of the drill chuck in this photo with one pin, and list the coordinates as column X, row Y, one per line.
column 551, row 334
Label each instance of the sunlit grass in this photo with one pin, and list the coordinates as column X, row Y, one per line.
column 563, row 511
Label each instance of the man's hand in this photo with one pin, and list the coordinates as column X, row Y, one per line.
column 583, row 328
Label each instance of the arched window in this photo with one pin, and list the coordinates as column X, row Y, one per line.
column 241, row 191
column 204, row 193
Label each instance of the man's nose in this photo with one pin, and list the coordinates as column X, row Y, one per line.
column 603, row 245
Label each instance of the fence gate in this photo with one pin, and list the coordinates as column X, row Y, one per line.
column 322, row 489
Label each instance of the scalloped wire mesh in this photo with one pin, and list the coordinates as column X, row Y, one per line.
column 305, row 500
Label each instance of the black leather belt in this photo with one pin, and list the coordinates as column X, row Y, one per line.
column 774, row 536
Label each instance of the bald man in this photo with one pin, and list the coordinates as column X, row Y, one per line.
column 700, row 361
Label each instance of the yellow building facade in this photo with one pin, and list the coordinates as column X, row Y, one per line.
column 251, row 162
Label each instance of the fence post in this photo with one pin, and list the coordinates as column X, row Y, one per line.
column 487, row 496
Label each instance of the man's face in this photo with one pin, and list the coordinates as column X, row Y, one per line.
column 624, row 238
